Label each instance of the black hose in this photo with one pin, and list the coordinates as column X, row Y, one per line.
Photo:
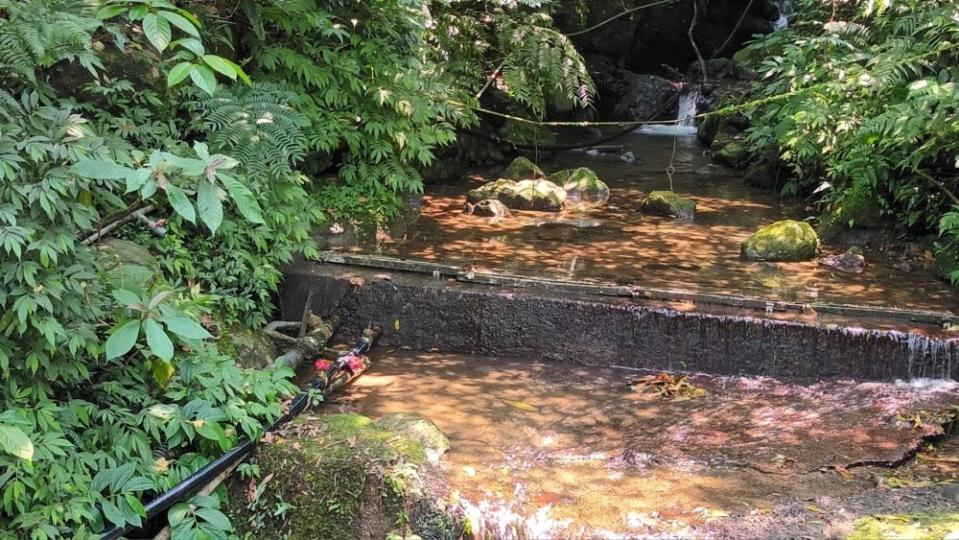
column 239, row 452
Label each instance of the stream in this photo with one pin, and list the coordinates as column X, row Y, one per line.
column 616, row 243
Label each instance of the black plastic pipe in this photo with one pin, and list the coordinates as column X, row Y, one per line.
column 239, row 452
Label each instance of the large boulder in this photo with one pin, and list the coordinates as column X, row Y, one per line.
column 539, row 195
column 786, row 240
column 522, row 169
column 581, row 185
column 641, row 97
column 667, row 203
column 343, row 477
column 418, row 428
column 732, row 154
column 489, row 190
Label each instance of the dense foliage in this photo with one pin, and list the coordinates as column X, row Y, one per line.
column 115, row 386
column 860, row 100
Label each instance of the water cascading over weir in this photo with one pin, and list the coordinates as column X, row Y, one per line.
column 435, row 308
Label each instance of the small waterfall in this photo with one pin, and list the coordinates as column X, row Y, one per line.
column 685, row 116
column 687, row 109
column 785, row 10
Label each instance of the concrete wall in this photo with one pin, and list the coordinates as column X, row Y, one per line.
column 523, row 323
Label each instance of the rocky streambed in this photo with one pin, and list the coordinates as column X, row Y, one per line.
column 530, row 450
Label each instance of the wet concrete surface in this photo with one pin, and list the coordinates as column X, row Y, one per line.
column 626, row 247
column 426, row 313
column 557, row 451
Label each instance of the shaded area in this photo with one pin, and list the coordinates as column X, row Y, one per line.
column 617, row 244
column 572, row 449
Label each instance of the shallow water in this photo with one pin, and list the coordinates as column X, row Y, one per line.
column 625, row 247
column 560, row 451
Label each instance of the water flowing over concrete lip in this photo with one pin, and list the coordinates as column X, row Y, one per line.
column 433, row 313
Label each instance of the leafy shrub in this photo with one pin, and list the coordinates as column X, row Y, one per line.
column 860, row 101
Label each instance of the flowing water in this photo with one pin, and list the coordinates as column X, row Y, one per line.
column 616, row 243
column 560, row 451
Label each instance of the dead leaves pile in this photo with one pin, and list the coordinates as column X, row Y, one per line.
column 668, row 387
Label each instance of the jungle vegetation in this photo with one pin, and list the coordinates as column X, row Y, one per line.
column 244, row 124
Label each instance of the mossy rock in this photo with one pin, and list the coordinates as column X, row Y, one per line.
column 667, row 203
column 733, row 154
column 344, row 478
column 786, row 240
column 128, row 265
column 522, row 169
column 418, row 428
column 539, row 195
column 581, row 185
column 489, row 190
column 918, row 526
column 250, row 348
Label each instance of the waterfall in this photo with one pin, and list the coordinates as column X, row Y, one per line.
column 785, row 10
column 685, row 116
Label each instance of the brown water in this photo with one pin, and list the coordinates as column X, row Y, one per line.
column 559, row 451
column 626, row 247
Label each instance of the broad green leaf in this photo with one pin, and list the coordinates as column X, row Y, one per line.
column 101, row 169
column 177, row 75
column 126, row 298
column 215, row 517
column 109, row 12
column 112, row 513
column 245, row 201
column 157, row 31
column 15, row 442
column 203, row 78
column 193, row 45
column 178, row 513
column 180, row 22
column 209, row 205
column 123, row 339
column 221, row 65
column 185, row 328
column 180, row 203
column 162, row 411
column 136, row 179
column 157, row 340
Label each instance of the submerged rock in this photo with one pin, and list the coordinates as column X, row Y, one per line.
column 851, row 262
column 786, row 240
column 487, row 207
column 344, row 477
column 581, row 185
column 522, row 169
column 667, row 203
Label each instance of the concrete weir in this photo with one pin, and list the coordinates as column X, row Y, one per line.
column 537, row 322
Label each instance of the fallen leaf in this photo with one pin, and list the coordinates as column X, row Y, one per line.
column 520, row 405
column 396, row 325
column 814, row 508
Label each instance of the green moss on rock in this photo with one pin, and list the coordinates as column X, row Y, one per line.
column 915, row 526
column 343, row 477
column 539, row 195
column 667, row 203
column 785, row 240
column 489, row 190
column 581, row 185
column 732, row 153
column 522, row 169
column 128, row 265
